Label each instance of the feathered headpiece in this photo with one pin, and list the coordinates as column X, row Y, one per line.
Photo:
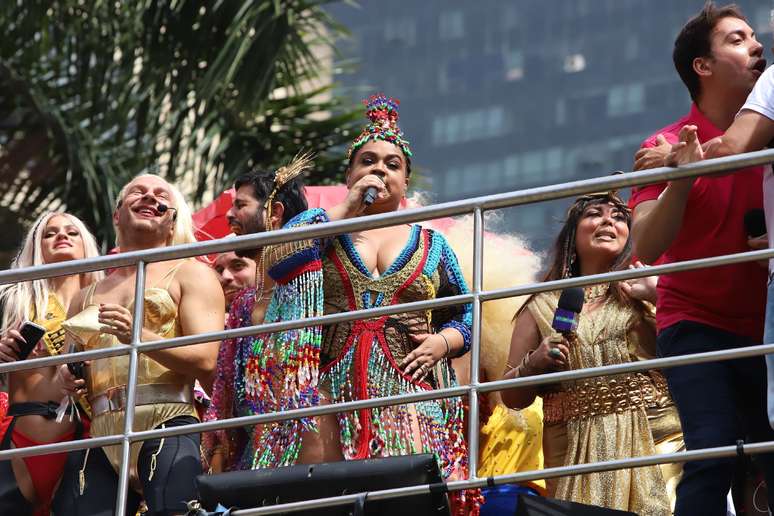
column 283, row 176
column 383, row 115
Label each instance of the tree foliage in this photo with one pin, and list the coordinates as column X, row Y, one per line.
column 94, row 92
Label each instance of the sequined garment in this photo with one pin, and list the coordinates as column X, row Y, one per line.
column 54, row 337
column 161, row 317
column 359, row 360
column 606, row 418
column 228, row 388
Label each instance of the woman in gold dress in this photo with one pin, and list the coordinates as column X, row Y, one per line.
column 602, row 418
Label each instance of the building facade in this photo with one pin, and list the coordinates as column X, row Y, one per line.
column 509, row 94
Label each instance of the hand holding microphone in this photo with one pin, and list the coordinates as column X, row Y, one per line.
column 565, row 323
column 363, row 193
column 372, row 192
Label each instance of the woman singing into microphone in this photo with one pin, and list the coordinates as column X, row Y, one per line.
column 602, row 418
column 383, row 356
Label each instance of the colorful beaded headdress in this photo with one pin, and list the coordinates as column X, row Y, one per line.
column 383, row 114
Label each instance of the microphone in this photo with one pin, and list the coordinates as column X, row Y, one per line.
column 755, row 223
column 568, row 311
column 370, row 195
column 163, row 208
column 567, row 314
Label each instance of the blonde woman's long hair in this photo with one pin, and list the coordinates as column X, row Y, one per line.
column 29, row 299
column 184, row 226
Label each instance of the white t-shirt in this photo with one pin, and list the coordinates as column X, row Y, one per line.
column 761, row 100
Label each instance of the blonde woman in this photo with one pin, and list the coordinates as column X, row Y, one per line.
column 27, row 485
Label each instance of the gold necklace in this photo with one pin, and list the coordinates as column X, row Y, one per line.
column 593, row 293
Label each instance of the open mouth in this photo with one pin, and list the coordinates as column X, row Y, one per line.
column 759, row 65
column 606, row 236
column 235, row 226
column 146, row 211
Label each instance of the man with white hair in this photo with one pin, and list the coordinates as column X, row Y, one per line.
column 182, row 297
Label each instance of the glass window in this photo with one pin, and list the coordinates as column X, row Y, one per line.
column 631, row 47
column 511, row 167
column 616, row 98
column 532, row 165
column 495, row 121
column 560, row 113
column 626, row 99
column 402, row 31
column 514, row 65
column 510, row 19
column 451, row 180
column 636, row 100
column 439, row 130
column 554, row 161
column 451, row 25
column 474, row 125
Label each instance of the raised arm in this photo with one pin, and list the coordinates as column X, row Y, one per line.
column 751, row 131
column 656, row 223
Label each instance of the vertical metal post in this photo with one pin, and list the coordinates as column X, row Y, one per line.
column 475, row 345
column 137, row 323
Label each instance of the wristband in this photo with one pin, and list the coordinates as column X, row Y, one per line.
column 447, row 344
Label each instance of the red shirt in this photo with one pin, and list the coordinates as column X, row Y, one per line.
column 732, row 297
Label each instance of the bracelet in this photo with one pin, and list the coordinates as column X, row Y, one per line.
column 522, row 370
column 448, row 349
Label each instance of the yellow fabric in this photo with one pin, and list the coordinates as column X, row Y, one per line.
column 55, row 334
column 511, row 441
column 52, row 322
column 104, row 374
column 602, row 339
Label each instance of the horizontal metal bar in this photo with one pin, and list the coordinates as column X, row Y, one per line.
column 488, row 295
column 65, row 446
column 461, row 390
column 578, row 469
column 448, row 209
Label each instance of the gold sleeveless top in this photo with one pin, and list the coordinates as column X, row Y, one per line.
column 602, row 418
column 54, row 338
column 108, row 374
column 52, row 321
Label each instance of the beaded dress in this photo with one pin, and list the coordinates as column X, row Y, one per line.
column 602, row 418
column 347, row 361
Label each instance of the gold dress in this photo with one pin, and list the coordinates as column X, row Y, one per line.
column 162, row 394
column 602, row 418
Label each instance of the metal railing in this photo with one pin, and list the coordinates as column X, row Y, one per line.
column 477, row 296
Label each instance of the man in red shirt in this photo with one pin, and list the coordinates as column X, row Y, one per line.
column 719, row 60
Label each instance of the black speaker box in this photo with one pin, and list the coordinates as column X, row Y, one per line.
column 263, row 487
column 537, row 506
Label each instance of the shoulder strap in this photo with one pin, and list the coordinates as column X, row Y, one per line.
column 542, row 308
column 89, row 297
column 170, row 275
